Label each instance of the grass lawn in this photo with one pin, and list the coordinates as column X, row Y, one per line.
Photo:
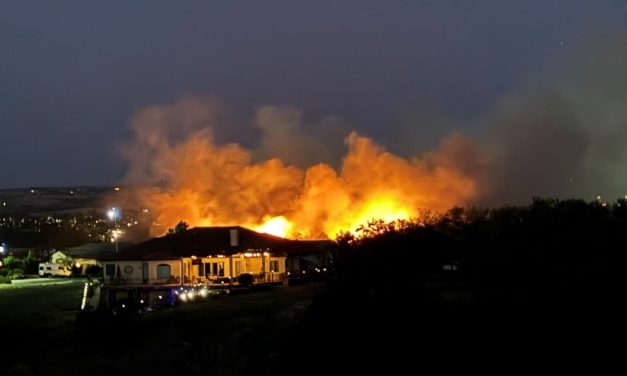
column 241, row 334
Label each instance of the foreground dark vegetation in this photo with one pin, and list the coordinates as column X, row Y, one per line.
column 475, row 287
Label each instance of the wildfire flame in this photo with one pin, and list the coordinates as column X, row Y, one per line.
column 278, row 226
column 206, row 184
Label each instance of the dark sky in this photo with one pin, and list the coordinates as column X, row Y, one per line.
column 73, row 73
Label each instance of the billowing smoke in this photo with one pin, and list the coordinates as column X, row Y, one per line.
column 182, row 174
column 564, row 136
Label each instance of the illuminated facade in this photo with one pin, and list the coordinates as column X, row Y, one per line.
column 203, row 254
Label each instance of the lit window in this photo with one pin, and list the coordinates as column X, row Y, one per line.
column 274, row 266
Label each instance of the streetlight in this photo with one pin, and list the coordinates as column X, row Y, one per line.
column 113, row 215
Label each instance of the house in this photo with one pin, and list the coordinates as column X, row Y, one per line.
column 85, row 255
column 202, row 254
column 308, row 256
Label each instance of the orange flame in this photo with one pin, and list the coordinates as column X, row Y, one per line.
column 278, row 226
column 208, row 185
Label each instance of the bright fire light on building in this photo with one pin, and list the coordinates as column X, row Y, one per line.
column 278, row 226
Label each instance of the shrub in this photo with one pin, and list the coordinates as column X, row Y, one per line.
column 12, row 262
column 93, row 271
column 4, row 279
column 4, row 272
column 30, row 263
column 16, row 274
column 245, row 279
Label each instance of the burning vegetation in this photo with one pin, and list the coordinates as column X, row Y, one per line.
column 181, row 173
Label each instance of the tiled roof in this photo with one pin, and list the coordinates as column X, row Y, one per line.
column 205, row 241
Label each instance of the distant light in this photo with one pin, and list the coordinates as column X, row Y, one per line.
column 116, row 189
column 78, row 265
column 145, row 210
column 599, row 197
column 123, row 306
column 71, row 192
column 1, row 249
column 4, row 203
column 32, row 191
column 141, row 301
column 160, row 297
column 304, row 271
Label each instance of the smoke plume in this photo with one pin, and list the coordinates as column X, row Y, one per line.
column 563, row 136
column 182, row 174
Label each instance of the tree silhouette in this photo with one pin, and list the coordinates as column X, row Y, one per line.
column 180, row 227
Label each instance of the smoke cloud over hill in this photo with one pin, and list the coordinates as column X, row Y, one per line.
column 563, row 136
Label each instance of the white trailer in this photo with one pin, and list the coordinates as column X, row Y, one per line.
column 48, row 269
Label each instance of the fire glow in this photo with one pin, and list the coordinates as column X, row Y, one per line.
column 205, row 184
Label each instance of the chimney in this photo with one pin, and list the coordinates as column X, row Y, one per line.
column 234, row 237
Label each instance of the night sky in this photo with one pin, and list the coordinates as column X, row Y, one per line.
column 407, row 73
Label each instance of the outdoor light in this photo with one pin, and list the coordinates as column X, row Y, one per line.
column 113, row 215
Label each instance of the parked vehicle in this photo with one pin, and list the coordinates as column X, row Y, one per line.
column 219, row 287
column 50, row 269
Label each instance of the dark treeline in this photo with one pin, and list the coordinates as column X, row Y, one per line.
column 514, row 283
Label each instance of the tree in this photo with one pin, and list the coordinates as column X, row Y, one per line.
column 30, row 263
column 180, row 227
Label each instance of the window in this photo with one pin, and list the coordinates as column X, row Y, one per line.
column 220, row 269
column 238, row 267
column 274, row 266
column 110, row 270
column 163, row 271
column 207, row 269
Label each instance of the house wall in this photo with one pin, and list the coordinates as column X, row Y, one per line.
column 85, row 261
column 175, row 271
column 130, row 272
column 194, row 270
